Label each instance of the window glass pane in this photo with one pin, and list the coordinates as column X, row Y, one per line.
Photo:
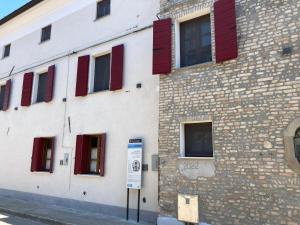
column 48, row 163
column 6, row 51
column 93, row 167
column 198, row 140
column 2, row 94
column 103, row 8
column 49, row 153
column 195, row 41
column 41, row 87
column 46, row 33
column 102, row 73
column 94, row 153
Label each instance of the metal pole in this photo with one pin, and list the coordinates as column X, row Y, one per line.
column 127, row 209
column 138, row 210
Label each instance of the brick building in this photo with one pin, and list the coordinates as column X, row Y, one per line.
column 228, row 121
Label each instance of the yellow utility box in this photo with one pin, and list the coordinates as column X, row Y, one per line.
column 188, row 210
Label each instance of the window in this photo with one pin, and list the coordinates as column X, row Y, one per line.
column 2, row 95
column 198, row 140
column 94, row 157
column 46, row 34
column 41, row 92
column 6, row 51
column 297, row 144
column 195, row 41
column 102, row 73
column 103, row 8
column 47, row 151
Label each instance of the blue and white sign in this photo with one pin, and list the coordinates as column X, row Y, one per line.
column 134, row 164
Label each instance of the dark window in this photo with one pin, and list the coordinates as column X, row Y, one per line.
column 198, row 140
column 41, row 87
column 94, row 157
column 195, row 41
column 6, row 51
column 103, row 8
column 297, row 144
column 46, row 33
column 102, row 73
column 47, row 151
column 2, row 95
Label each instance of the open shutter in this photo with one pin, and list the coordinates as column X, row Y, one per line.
column 101, row 152
column 81, row 157
column 50, row 84
column 162, row 46
column 225, row 30
column 117, row 67
column 37, row 155
column 7, row 95
column 82, row 75
column 52, row 155
column 27, row 89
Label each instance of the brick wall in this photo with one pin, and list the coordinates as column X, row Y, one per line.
column 250, row 101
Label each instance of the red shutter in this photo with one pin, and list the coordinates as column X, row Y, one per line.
column 82, row 75
column 7, row 95
column 81, row 157
column 27, row 89
column 225, row 30
column 52, row 154
column 117, row 65
column 162, row 46
column 50, row 83
column 101, row 152
column 37, row 155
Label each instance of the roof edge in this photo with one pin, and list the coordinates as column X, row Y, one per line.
column 19, row 11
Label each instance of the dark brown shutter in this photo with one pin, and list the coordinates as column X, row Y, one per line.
column 81, row 156
column 101, row 152
column 117, row 67
column 27, row 89
column 162, row 46
column 82, row 75
column 50, row 83
column 225, row 30
column 52, row 154
column 37, row 155
column 7, row 95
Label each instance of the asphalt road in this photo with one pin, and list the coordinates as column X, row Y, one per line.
column 6, row 219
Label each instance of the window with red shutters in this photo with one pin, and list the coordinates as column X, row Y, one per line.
column 50, row 84
column 6, row 99
column 43, row 155
column 162, row 46
column 82, row 76
column 117, row 67
column 90, row 154
column 225, row 30
column 27, row 89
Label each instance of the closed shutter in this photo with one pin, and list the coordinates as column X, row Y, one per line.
column 7, row 95
column 81, row 156
column 162, row 46
column 117, row 67
column 225, row 30
column 82, row 75
column 27, row 89
column 50, row 83
column 52, row 155
column 37, row 155
column 101, row 152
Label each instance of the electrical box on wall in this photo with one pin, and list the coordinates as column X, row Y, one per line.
column 188, row 208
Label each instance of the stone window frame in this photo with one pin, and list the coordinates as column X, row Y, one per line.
column 289, row 134
column 190, row 16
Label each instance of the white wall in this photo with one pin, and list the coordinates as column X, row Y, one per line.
column 123, row 114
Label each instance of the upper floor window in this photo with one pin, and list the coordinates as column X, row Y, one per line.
column 195, row 41
column 6, row 51
column 198, row 140
column 41, row 89
column 297, row 144
column 2, row 94
column 103, row 8
column 46, row 34
column 102, row 73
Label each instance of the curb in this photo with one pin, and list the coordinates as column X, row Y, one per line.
column 34, row 217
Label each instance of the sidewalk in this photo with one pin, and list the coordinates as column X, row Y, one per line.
column 58, row 215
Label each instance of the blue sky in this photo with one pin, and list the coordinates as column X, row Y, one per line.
column 8, row 6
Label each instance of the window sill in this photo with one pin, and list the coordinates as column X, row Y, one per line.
column 197, row 158
column 99, row 18
column 194, row 66
column 88, row 175
column 42, row 172
column 43, row 42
